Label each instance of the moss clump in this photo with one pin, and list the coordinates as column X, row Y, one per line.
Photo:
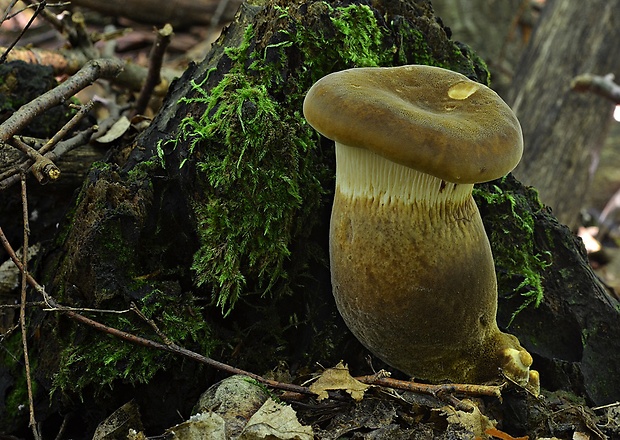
column 245, row 223
column 509, row 215
column 14, row 405
column 262, row 173
column 88, row 358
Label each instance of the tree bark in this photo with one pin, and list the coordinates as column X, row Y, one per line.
column 177, row 12
column 564, row 130
column 496, row 29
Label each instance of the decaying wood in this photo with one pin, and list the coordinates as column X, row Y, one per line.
column 177, row 12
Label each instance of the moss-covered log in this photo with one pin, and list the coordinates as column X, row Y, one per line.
column 213, row 223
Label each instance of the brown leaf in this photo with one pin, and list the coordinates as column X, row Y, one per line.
column 338, row 378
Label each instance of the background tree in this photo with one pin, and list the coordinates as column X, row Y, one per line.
column 498, row 30
column 564, row 130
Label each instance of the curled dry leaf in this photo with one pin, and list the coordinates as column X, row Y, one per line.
column 276, row 421
column 474, row 421
column 338, row 378
column 203, row 425
column 116, row 131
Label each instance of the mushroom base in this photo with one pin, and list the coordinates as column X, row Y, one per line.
column 415, row 283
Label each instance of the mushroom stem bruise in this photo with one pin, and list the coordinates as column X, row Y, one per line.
column 412, row 269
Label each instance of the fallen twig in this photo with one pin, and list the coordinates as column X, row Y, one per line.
column 83, row 111
column 601, row 85
column 93, row 70
column 12, row 175
column 609, row 405
column 40, row 7
column 44, row 168
column 452, row 388
column 156, row 58
column 22, row 310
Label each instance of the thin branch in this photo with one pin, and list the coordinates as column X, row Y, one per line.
column 93, row 70
column 17, row 306
column 468, row 389
column 58, row 24
column 609, row 405
column 152, row 324
column 7, row 11
column 39, row 8
column 153, row 77
column 43, row 168
column 82, row 38
column 22, row 309
column 601, row 85
column 83, row 111
column 11, row 176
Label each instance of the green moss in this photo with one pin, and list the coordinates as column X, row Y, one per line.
column 235, row 234
column 16, row 398
column 91, row 357
column 421, row 53
column 262, row 177
column 355, row 39
column 510, row 221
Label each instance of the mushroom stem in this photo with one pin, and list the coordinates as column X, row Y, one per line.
column 412, row 270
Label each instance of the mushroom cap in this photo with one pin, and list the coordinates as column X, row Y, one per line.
column 427, row 118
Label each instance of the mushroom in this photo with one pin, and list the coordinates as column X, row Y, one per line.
column 411, row 266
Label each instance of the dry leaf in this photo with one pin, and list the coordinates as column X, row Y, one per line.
column 116, row 130
column 119, row 422
column 475, row 421
column 203, row 425
column 277, row 422
column 338, row 378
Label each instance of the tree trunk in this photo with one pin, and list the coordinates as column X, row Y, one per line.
column 497, row 30
column 564, row 130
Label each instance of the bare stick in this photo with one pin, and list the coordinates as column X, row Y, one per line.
column 43, row 168
column 11, row 176
column 609, row 405
column 101, row 68
column 83, row 111
column 472, row 390
column 601, row 85
column 22, row 309
column 153, row 77
column 50, row 17
column 39, row 8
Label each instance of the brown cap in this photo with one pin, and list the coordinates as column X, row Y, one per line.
column 431, row 119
